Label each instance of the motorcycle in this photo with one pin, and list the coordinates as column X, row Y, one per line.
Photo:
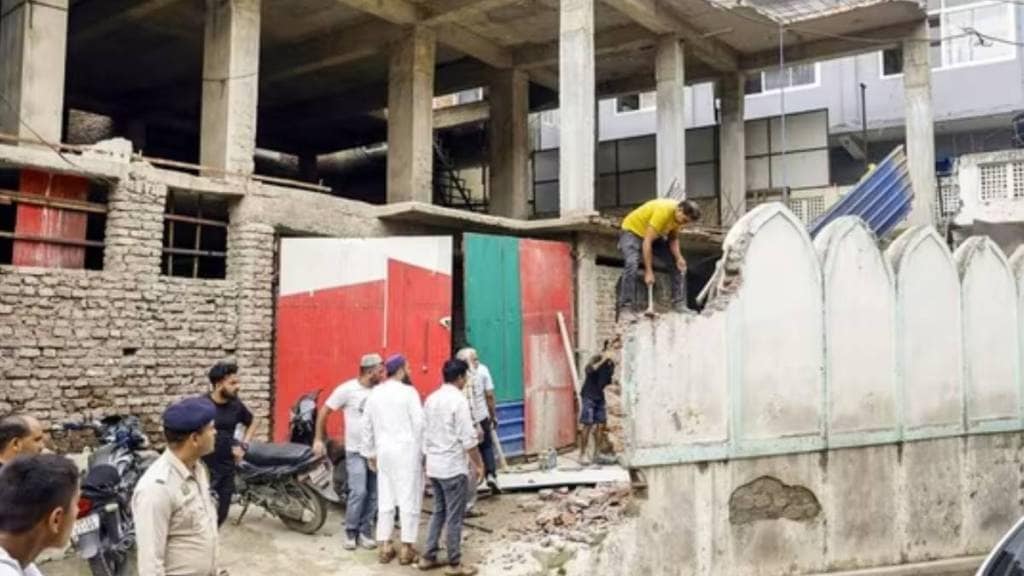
column 104, row 531
column 302, row 430
column 289, row 481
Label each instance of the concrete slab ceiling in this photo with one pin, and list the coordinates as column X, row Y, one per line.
column 324, row 62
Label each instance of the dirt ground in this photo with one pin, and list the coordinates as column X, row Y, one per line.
column 262, row 546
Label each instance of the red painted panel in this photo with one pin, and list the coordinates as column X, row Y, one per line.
column 320, row 338
column 418, row 299
column 50, row 222
column 546, row 288
column 322, row 335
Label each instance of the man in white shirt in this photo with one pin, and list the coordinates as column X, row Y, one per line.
column 38, row 505
column 361, row 505
column 450, row 444
column 392, row 442
column 482, row 407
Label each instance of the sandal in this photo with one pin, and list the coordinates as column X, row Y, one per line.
column 405, row 558
column 387, row 554
column 460, row 570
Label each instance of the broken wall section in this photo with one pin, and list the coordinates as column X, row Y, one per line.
column 835, row 407
column 807, row 345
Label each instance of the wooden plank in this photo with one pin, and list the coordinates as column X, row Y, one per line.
column 52, row 240
column 11, row 196
column 536, row 480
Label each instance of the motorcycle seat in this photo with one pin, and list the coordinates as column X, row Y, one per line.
column 266, row 454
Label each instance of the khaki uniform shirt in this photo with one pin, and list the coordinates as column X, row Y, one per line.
column 175, row 520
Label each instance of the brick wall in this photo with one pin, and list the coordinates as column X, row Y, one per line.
column 607, row 276
column 77, row 343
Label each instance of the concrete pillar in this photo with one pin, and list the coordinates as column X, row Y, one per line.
column 732, row 149
column 231, row 59
column 920, row 135
column 33, row 50
column 410, row 118
column 510, row 144
column 670, row 73
column 576, row 107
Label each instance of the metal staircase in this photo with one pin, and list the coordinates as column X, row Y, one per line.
column 450, row 189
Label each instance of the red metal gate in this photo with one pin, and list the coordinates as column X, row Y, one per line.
column 342, row 298
column 546, row 275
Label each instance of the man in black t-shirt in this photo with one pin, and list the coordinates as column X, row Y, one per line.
column 593, row 412
column 229, row 448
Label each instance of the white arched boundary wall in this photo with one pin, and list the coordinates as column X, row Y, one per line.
column 830, row 343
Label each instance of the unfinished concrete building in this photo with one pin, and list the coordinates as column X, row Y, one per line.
column 125, row 271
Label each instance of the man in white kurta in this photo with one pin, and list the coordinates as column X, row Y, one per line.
column 392, row 441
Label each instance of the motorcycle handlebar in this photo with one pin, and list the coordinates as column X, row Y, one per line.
column 75, row 426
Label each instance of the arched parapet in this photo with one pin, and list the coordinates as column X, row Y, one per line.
column 929, row 334
column 775, row 334
column 991, row 336
column 860, row 335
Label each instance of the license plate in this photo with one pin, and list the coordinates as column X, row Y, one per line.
column 86, row 525
column 320, row 475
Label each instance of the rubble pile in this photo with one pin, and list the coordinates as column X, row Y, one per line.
column 582, row 515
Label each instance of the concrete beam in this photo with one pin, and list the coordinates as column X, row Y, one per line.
column 545, row 78
column 94, row 20
column 651, row 14
column 231, row 60
column 732, row 146
column 405, row 13
column 461, row 114
column 670, row 73
column 827, row 48
column 401, row 12
column 474, row 45
column 340, row 47
column 577, row 107
column 613, row 41
column 443, row 11
column 509, row 144
column 920, row 129
column 33, row 50
column 410, row 118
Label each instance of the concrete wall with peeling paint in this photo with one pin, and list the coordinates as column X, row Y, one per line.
column 834, row 407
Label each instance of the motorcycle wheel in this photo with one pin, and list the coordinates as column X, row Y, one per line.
column 108, row 563
column 314, row 512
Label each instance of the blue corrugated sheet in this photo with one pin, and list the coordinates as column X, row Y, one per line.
column 882, row 198
column 512, row 428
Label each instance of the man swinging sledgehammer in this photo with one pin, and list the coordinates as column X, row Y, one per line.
column 649, row 230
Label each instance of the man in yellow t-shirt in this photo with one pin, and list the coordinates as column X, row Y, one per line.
column 649, row 230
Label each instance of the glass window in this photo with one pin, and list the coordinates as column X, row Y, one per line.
column 636, row 102
column 990, row 20
column 629, row 103
column 791, row 77
column 952, row 43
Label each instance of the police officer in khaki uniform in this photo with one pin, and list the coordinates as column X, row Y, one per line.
column 175, row 517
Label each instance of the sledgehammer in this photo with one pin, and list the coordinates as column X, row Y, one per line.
column 650, row 313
